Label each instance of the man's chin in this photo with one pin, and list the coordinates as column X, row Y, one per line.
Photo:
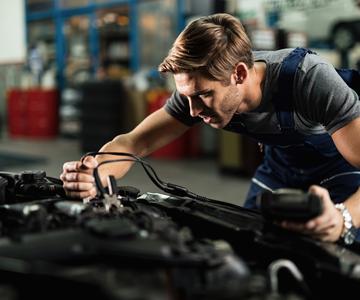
column 216, row 122
column 219, row 125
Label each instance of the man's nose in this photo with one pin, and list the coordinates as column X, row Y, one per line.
column 195, row 107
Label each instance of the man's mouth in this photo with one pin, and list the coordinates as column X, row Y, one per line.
column 207, row 119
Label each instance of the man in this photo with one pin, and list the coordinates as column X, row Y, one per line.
column 309, row 121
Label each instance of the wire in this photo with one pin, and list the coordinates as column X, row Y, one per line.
column 135, row 159
column 154, row 179
column 167, row 187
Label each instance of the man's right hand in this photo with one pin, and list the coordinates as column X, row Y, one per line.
column 78, row 179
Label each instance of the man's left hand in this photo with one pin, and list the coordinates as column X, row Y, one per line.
column 326, row 227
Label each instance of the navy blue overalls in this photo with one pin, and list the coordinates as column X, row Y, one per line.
column 295, row 160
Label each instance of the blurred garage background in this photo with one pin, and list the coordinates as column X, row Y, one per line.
column 75, row 73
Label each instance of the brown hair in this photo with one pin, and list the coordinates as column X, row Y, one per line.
column 212, row 45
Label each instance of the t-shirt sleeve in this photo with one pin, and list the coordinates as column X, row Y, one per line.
column 178, row 107
column 326, row 99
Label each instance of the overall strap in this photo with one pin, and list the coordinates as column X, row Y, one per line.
column 283, row 100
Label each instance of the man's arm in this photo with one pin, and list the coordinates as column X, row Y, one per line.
column 329, row 225
column 347, row 141
column 155, row 131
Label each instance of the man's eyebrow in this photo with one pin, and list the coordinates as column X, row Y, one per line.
column 200, row 93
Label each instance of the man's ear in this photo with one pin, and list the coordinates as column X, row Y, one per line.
column 240, row 73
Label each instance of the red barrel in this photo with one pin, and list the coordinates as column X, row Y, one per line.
column 42, row 111
column 16, row 113
column 33, row 113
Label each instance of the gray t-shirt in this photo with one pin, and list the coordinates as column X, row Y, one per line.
column 322, row 101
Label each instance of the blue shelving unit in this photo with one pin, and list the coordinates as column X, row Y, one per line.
column 59, row 15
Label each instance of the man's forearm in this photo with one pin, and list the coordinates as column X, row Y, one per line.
column 121, row 143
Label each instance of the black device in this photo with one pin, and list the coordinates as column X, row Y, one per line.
column 29, row 184
column 289, row 204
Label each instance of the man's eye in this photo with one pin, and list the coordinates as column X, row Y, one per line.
column 206, row 95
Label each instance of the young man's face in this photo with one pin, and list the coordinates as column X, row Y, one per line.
column 209, row 100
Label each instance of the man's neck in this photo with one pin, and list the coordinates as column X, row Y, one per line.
column 256, row 85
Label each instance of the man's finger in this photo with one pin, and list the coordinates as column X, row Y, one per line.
column 78, row 186
column 71, row 166
column 81, row 195
column 89, row 162
column 79, row 177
